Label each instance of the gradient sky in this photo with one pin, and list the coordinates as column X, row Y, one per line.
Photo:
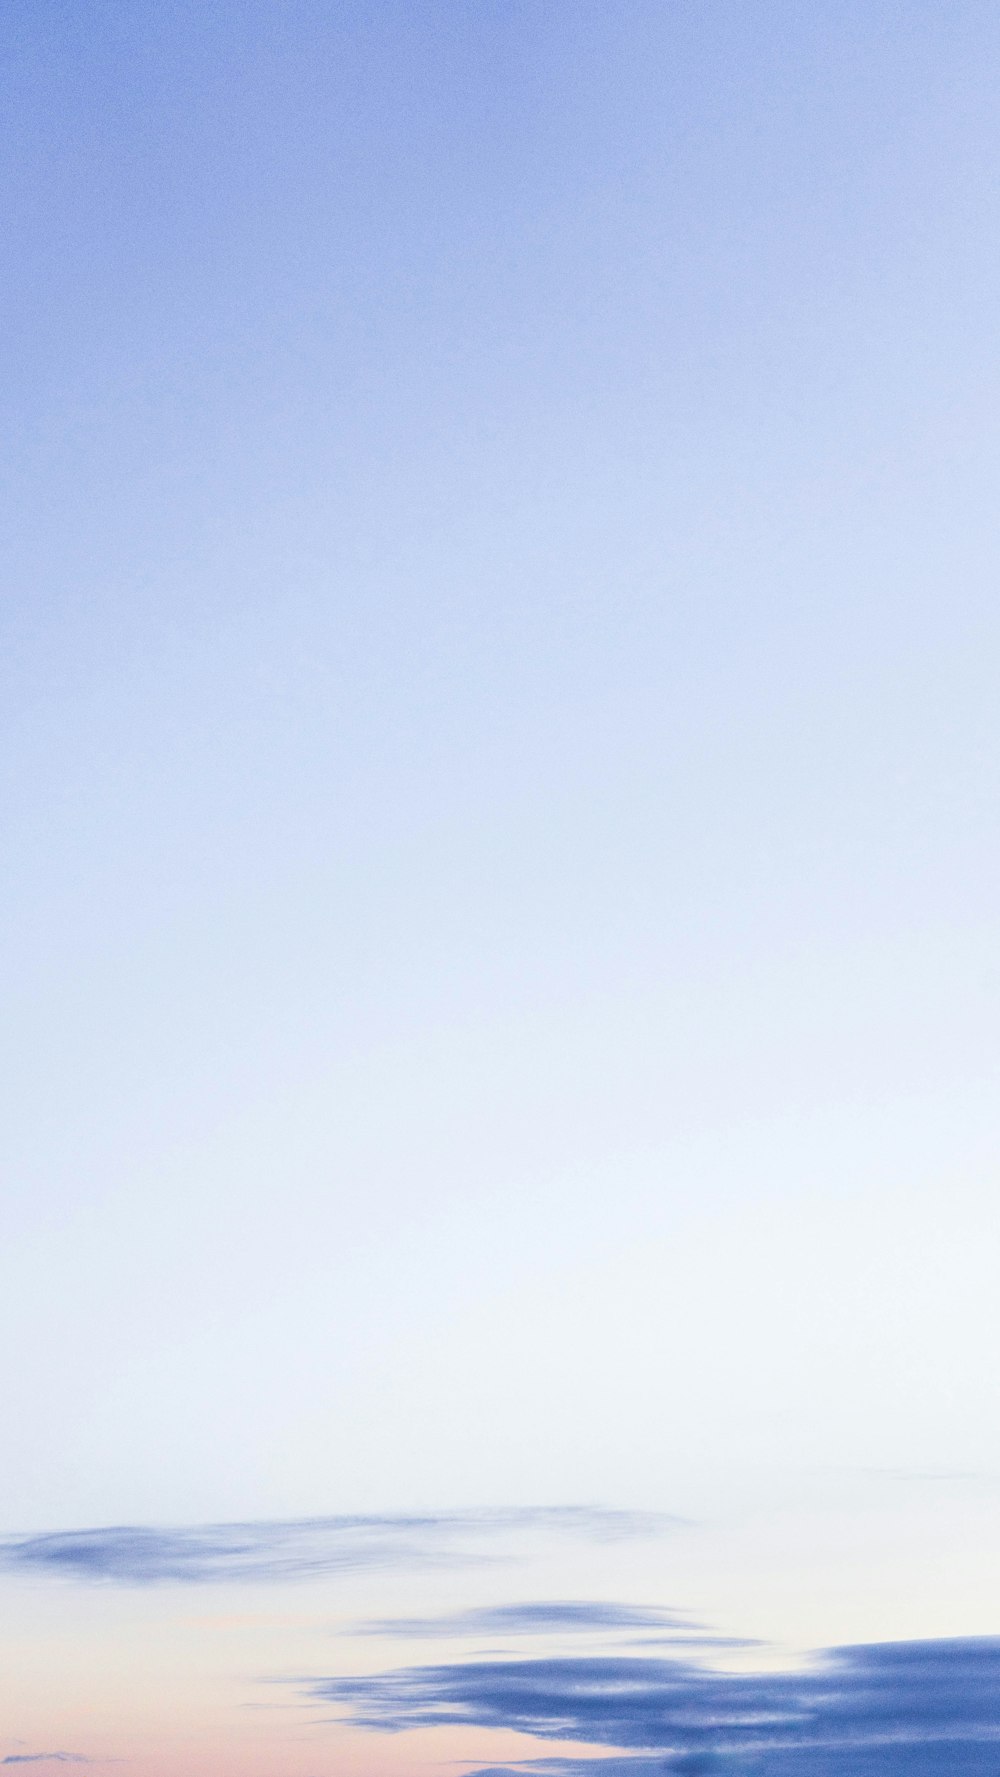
column 499, row 790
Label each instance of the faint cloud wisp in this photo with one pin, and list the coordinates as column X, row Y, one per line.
column 562, row 1616
column 302, row 1548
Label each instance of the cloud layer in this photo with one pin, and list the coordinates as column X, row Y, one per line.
column 911, row 1709
column 300, row 1548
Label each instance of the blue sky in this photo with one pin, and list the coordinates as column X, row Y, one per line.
column 499, row 739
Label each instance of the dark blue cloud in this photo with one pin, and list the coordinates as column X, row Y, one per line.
column 535, row 1618
column 943, row 1759
column 203, row 1554
column 910, row 1709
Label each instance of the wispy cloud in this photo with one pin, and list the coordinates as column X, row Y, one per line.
column 912, row 1709
column 300, row 1548
column 561, row 1616
column 50, row 1758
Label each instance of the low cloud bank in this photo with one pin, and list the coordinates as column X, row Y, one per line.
column 908, row 1709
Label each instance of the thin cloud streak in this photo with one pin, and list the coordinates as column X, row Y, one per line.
column 47, row 1758
column 909, row 1709
column 560, row 1616
column 302, row 1548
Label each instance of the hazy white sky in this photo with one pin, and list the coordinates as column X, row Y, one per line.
column 499, row 738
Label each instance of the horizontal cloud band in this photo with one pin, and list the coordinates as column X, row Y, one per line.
column 45, row 1758
column 914, row 1709
column 299, row 1548
column 537, row 1617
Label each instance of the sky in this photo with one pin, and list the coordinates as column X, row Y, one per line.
column 498, row 783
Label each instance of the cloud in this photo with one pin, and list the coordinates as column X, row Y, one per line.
column 36, row 1758
column 946, row 1759
column 909, row 1709
column 569, row 1616
column 301, row 1548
